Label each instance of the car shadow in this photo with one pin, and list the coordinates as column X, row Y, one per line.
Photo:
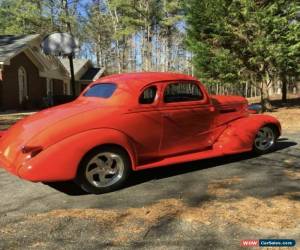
column 67, row 187
column 70, row 188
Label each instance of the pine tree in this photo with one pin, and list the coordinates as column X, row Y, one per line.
column 243, row 41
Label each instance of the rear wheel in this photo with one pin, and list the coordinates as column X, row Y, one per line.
column 103, row 170
column 265, row 140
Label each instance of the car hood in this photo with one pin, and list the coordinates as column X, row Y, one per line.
column 229, row 108
column 221, row 100
column 25, row 130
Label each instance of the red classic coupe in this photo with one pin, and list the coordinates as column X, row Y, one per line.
column 131, row 122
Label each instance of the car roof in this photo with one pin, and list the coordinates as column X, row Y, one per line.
column 141, row 79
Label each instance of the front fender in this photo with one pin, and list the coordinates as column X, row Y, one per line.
column 240, row 134
column 59, row 162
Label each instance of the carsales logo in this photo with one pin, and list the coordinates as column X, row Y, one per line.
column 268, row 243
column 249, row 243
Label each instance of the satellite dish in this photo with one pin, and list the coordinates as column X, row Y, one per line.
column 60, row 44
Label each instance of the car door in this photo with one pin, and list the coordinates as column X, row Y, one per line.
column 143, row 124
column 187, row 118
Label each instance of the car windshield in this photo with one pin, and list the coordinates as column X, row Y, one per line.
column 103, row 90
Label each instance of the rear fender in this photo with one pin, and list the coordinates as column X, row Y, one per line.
column 240, row 134
column 60, row 161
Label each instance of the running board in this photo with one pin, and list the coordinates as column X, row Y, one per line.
column 182, row 158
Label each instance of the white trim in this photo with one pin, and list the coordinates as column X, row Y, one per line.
column 1, row 74
column 41, row 58
column 34, row 59
column 22, row 84
column 100, row 73
column 68, row 83
column 8, row 59
column 53, row 75
column 82, row 70
column 49, row 87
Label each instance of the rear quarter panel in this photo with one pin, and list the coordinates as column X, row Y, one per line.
column 60, row 161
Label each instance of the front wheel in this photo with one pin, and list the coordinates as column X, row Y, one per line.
column 265, row 140
column 104, row 169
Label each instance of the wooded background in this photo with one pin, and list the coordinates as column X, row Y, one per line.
column 247, row 47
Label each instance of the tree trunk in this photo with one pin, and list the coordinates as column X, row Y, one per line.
column 284, row 88
column 264, row 98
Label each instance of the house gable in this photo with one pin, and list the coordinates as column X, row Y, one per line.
column 49, row 66
column 11, row 46
column 24, row 71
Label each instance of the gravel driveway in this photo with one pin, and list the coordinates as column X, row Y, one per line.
column 208, row 204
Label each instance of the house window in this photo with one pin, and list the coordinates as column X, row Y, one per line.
column 23, row 85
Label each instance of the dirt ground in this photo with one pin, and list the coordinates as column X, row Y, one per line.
column 289, row 118
column 208, row 204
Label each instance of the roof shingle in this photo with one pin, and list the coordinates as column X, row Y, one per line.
column 10, row 45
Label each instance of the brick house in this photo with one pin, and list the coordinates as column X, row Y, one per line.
column 29, row 79
column 27, row 76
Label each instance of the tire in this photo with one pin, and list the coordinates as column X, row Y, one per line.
column 265, row 140
column 103, row 170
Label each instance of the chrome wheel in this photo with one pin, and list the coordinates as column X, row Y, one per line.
column 104, row 169
column 265, row 139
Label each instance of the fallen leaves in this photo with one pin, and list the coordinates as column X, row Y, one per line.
column 278, row 212
column 127, row 225
column 220, row 187
column 289, row 118
column 292, row 174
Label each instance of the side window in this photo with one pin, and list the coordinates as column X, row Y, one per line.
column 148, row 95
column 182, row 92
